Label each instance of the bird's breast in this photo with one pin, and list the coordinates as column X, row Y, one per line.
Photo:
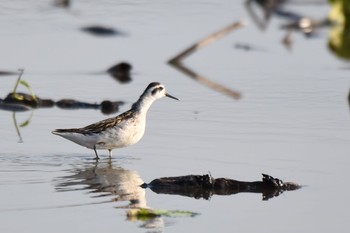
column 128, row 133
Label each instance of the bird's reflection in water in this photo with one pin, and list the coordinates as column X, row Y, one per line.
column 106, row 179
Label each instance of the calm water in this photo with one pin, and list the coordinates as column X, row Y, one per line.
column 292, row 121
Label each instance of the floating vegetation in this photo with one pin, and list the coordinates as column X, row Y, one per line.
column 24, row 83
column 16, row 101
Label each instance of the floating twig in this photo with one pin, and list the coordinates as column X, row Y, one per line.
column 18, row 80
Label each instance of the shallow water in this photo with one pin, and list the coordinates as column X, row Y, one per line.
column 292, row 121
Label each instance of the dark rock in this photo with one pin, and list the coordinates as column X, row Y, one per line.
column 109, row 107
column 101, row 31
column 74, row 104
column 121, row 72
column 2, row 72
column 62, row 3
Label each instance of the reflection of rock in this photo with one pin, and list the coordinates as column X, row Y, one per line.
column 13, row 107
column 205, row 186
column 104, row 178
column 121, row 72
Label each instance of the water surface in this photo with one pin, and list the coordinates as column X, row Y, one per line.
column 292, row 121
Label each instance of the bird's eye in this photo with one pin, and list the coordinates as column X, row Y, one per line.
column 157, row 90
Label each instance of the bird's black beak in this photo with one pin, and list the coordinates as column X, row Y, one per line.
column 170, row 96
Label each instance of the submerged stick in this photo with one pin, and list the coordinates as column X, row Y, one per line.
column 17, row 128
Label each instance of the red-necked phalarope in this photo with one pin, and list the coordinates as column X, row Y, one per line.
column 123, row 130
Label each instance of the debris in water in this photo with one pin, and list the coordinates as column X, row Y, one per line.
column 205, row 186
column 102, row 31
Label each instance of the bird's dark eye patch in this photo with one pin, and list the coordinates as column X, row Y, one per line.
column 157, row 90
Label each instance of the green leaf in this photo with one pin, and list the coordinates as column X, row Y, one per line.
column 17, row 96
column 26, row 84
column 25, row 123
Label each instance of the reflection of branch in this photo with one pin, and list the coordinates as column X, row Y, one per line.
column 16, row 126
column 262, row 24
column 213, row 85
column 177, row 60
column 25, row 123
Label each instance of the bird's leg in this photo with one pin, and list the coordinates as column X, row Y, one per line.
column 97, row 158
column 110, row 153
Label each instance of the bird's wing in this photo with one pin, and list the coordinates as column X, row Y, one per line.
column 108, row 123
column 99, row 126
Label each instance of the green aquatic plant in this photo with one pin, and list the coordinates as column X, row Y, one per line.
column 24, row 83
column 339, row 39
column 144, row 214
column 23, row 124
